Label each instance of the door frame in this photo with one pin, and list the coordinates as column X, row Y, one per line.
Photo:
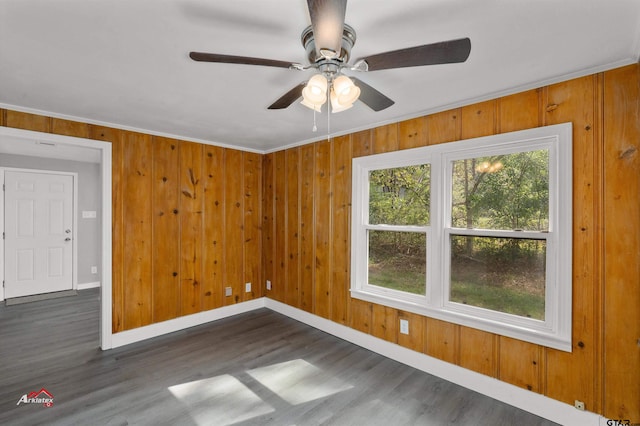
column 18, row 138
column 74, row 221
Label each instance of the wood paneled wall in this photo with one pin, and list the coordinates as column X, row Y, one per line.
column 307, row 240
column 186, row 221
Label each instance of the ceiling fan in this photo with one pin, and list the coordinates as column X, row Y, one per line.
column 328, row 42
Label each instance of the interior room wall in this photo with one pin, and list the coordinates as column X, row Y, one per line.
column 307, row 240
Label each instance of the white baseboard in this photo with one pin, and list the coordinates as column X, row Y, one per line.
column 532, row 402
column 180, row 323
column 84, row 286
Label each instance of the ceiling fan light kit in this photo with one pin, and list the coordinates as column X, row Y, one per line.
column 341, row 91
column 327, row 43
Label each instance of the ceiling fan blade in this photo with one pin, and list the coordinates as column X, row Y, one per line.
column 445, row 52
column 246, row 60
column 327, row 21
column 288, row 98
column 371, row 97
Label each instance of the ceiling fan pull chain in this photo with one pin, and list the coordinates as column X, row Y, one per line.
column 314, row 128
column 328, row 115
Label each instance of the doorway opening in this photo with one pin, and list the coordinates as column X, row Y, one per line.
column 45, row 145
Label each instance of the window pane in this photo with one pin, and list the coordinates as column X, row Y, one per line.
column 400, row 196
column 501, row 274
column 398, row 260
column 508, row 191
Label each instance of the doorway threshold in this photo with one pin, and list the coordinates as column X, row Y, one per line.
column 37, row 297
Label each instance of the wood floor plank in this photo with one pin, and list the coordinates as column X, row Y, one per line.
column 257, row 368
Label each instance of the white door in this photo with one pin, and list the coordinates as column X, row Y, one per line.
column 38, row 233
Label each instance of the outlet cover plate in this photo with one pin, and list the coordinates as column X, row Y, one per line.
column 404, row 326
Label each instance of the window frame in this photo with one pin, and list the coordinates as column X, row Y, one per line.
column 555, row 330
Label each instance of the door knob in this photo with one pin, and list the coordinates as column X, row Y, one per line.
column 67, row 239
column 68, row 231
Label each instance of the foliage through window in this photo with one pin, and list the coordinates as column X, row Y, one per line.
column 476, row 232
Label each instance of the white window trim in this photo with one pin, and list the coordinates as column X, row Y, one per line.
column 555, row 330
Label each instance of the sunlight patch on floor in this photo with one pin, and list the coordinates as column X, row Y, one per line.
column 223, row 398
column 297, row 381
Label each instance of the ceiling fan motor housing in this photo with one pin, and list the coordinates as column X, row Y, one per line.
column 348, row 40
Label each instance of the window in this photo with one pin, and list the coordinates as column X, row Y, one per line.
column 476, row 232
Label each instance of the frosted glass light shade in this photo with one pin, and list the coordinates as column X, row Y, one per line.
column 345, row 90
column 315, row 107
column 315, row 92
column 336, row 106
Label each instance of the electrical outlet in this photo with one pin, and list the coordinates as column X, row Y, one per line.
column 268, row 285
column 247, row 287
column 579, row 405
column 94, row 269
column 404, row 326
column 228, row 291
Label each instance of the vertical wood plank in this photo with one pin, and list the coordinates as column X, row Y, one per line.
column 292, row 241
column 252, row 224
column 213, row 253
column 519, row 363
column 444, row 126
column 279, row 284
column 191, row 195
column 385, row 138
column 412, row 133
column 268, row 220
column 3, row 114
column 362, row 142
column 478, row 351
column 26, row 121
column 234, row 237
column 307, row 234
column 384, row 323
column 519, row 111
column 137, row 230
column 323, row 216
column 69, row 128
column 340, row 235
column 361, row 313
column 478, row 119
column 115, row 137
column 442, row 340
column 622, row 243
column 572, row 375
column 415, row 340
column 166, row 229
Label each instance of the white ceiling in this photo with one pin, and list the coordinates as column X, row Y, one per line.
column 126, row 64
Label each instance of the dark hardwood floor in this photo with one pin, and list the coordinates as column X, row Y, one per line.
column 258, row 368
